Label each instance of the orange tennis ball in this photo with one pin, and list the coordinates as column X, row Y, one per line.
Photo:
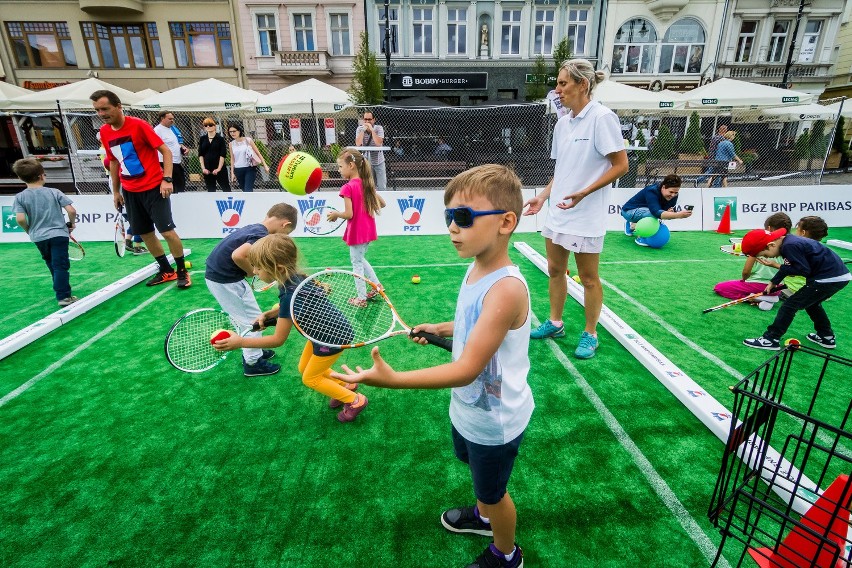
column 300, row 173
column 415, row 279
column 792, row 343
column 219, row 335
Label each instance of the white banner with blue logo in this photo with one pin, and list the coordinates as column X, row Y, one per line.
column 211, row 215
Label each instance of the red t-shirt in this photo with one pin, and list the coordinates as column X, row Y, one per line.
column 134, row 146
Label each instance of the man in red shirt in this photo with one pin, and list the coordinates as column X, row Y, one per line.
column 131, row 147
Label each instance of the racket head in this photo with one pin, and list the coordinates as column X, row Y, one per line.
column 326, row 309
column 729, row 249
column 735, row 240
column 259, row 285
column 316, row 220
column 187, row 344
column 120, row 237
column 75, row 249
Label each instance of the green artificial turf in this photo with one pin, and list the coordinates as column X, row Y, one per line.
column 112, row 457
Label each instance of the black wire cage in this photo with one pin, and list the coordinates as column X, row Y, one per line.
column 782, row 497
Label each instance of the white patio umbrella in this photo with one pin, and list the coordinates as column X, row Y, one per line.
column 733, row 93
column 310, row 96
column 207, row 95
column 847, row 108
column 70, row 96
column 619, row 96
column 9, row 91
column 800, row 112
column 146, row 93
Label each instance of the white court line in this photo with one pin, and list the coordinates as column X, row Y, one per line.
column 658, row 484
column 95, row 276
column 107, row 330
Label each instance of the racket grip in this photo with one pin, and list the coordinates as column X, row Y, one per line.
column 268, row 322
column 436, row 340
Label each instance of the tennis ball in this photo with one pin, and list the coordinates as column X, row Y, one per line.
column 299, row 173
column 738, row 247
column 792, row 342
column 647, row 226
column 415, row 279
column 219, row 335
column 187, row 264
column 576, row 278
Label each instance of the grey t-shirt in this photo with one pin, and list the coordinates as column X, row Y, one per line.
column 377, row 157
column 43, row 208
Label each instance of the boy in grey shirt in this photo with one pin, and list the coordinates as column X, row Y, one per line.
column 39, row 212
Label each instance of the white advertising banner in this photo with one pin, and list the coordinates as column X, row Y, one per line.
column 295, row 131
column 330, row 132
column 211, row 215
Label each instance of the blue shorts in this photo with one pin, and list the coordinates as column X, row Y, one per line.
column 490, row 466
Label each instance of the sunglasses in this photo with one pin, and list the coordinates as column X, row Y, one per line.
column 463, row 216
column 208, row 125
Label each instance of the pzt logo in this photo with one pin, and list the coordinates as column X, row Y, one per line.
column 305, row 206
column 412, row 210
column 695, row 393
column 230, row 211
column 720, row 416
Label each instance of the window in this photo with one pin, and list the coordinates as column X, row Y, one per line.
column 202, row 44
column 578, row 26
column 267, row 34
column 510, row 32
column 745, row 43
column 41, row 44
column 778, row 42
column 422, row 28
column 545, row 21
column 338, row 26
column 809, row 41
column 634, row 48
column 682, row 48
column 118, row 46
column 391, row 18
column 456, row 31
column 303, row 32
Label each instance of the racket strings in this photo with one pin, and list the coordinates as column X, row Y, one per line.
column 188, row 345
column 328, row 311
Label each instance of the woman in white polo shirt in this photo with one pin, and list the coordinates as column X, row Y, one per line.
column 590, row 156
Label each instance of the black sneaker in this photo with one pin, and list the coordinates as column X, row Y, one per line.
column 465, row 520
column 260, row 369
column 161, row 278
column 493, row 558
column 71, row 299
column 267, row 354
column 763, row 343
column 183, row 279
column 826, row 341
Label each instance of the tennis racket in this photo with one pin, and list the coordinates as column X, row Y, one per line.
column 316, row 220
column 75, row 249
column 259, row 285
column 187, row 344
column 741, row 300
column 330, row 308
column 729, row 249
column 120, row 238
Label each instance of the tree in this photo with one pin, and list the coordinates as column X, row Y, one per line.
column 561, row 54
column 664, row 145
column 367, row 79
column 538, row 89
column 839, row 144
column 692, row 142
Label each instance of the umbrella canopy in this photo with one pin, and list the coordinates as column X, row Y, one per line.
column 207, row 95
column 847, row 108
column 800, row 112
column 145, row 93
column 71, row 96
column 619, row 96
column 297, row 99
column 733, row 93
column 9, row 91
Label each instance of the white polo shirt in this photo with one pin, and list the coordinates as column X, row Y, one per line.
column 580, row 147
column 169, row 139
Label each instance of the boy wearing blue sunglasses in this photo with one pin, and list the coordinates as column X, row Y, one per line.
column 491, row 402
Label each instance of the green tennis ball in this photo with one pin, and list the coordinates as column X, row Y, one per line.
column 187, row 264
column 647, row 226
column 300, row 173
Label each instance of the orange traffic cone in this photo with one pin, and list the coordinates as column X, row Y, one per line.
column 820, row 540
column 725, row 223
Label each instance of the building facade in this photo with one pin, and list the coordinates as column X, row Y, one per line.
column 135, row 44
column 841, row 82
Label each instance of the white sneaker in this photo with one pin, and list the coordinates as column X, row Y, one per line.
column 765, row 306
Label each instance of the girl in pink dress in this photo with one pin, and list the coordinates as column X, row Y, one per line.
column 363, row 203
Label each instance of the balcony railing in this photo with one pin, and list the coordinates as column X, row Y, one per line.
column 302, row 62
column 774, row 71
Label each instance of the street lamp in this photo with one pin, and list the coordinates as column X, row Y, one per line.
column 387, row 51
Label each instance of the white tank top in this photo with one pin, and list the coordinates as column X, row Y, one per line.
column 240, row 153
column 496, row 407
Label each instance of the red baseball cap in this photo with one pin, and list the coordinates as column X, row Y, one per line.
column 757, row 240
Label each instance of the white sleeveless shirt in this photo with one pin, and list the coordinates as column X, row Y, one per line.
column 496, row 407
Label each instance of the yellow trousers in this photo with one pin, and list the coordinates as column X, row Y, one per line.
column 316, row 374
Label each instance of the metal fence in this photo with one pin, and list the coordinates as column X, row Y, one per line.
column 431, row 145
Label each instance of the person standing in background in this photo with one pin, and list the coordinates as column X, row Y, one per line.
column 165, row 131
column 372, row 134
column 212, row 150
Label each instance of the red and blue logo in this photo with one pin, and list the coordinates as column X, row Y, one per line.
column 412, row 210
column 230, row 211
column 306, row 205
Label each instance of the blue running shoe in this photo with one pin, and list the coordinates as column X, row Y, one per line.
column 627, row 230
column 547, row 329
column 641, row 242
column 587, row 347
